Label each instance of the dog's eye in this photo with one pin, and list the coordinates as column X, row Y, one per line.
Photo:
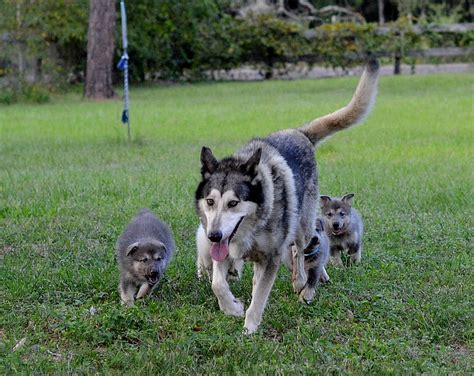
column 328, row 214
column 342, row 214
column 232, row 204
column 143, row 259
column 210, row 201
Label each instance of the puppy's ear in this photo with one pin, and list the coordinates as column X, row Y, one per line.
column 251, row 165
column 132, row 248
column 208, row 161
column 347, row 199
column 159, row 245
column 324, row 200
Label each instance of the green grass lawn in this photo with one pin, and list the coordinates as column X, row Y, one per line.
column 70, row 183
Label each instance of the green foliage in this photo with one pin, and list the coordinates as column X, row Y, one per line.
column 184, row 39
column 8, row 95
column 24, row 91
column 267, row 39
column 35, row 93
column 339, row 44
column 49, row 37
column 179, row 38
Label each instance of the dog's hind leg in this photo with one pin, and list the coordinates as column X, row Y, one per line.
column 299, row 275
column 265, row 272
column 203, row 260
column 227, row 302
column 309, row 290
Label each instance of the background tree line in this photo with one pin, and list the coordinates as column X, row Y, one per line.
column 45, row 41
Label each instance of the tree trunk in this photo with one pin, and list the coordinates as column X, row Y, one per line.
column 100, row 49
column 381, row 12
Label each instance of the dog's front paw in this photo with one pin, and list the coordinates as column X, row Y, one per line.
column 252, row 321
column 307, row 295
column 249, row 329
column 236, row 309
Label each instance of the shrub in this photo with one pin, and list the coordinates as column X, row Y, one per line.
column 7, row 96
column 36, row 93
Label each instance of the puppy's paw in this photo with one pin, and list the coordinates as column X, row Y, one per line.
column 354, row 259
column 336, row 261
column 307, row 295
column 298, row 285
column 127, row 303
column 324, row 277
column 236, row 309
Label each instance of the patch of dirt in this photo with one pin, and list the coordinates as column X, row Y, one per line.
column 6, row 249
column 273, row 334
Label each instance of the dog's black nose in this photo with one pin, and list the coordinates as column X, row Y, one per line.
column 335, row 225
column 215, row 236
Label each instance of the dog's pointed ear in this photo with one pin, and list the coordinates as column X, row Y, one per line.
column 132, row 248
column 208, row 161
column 347, row 199
column 324, row 200
column 252, row 163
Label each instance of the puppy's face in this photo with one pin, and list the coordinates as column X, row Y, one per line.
column 147, row 260
column 337, row 213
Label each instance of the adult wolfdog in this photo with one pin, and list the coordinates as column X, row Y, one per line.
column 255, row 204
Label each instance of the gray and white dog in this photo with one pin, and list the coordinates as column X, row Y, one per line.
column 316, row 255
column 255, row 204
column 144, row 251
column 344, row 226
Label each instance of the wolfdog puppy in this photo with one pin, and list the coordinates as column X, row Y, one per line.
column 316, row 255
column 344, row 226
column 143, row 252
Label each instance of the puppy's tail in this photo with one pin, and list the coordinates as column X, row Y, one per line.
column 355, row 112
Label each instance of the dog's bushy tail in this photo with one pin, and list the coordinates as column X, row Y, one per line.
column 355, row 112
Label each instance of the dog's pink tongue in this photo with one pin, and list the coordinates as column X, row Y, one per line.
column 219, row 251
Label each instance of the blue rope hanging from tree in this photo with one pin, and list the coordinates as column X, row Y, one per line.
column 123, row 66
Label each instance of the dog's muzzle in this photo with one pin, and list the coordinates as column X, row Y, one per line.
column 220, row 248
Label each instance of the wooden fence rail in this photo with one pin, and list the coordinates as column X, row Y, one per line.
column 383, row 30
